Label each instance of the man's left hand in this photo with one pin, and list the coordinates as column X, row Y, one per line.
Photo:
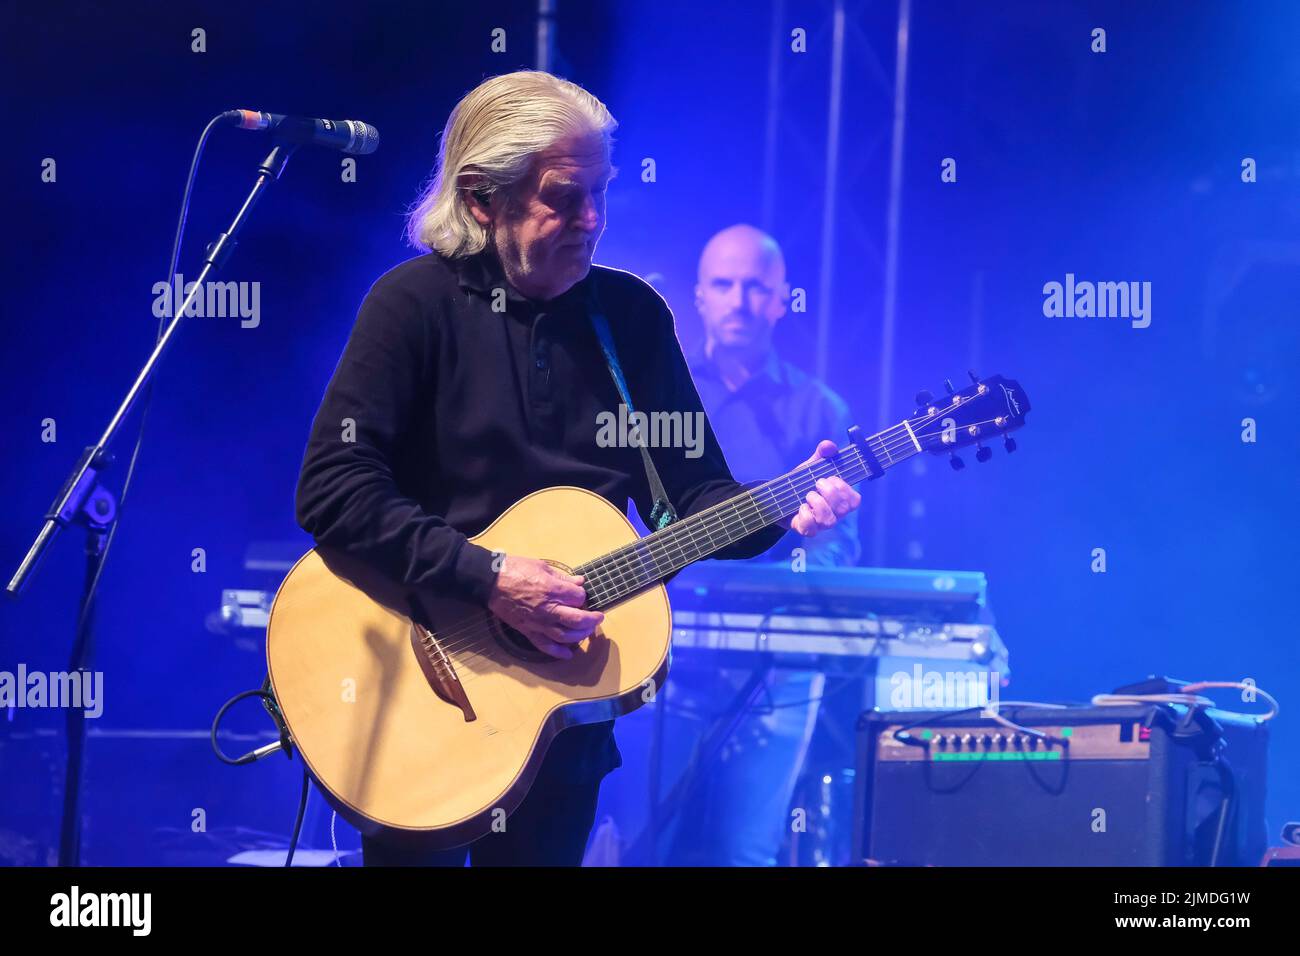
column 830, row 500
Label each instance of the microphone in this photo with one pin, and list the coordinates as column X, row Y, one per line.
column 351, row 136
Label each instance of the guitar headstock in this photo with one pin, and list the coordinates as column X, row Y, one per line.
column 987, row 409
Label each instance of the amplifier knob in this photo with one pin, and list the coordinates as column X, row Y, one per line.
column 968, row 740
column 1000, row 742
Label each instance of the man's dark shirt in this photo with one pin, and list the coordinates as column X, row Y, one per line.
column 444, row 411
column 771, row 424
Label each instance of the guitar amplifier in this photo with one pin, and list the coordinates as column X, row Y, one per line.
column 1133, row 785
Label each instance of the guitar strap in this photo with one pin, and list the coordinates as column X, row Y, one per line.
column 662, row 514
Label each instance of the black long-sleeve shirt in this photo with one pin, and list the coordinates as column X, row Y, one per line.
column 456, row 396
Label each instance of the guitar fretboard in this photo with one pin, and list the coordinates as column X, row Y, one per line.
column 616, row 576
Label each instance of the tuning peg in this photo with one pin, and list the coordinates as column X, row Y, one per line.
column 1009, row 444
column 983, row 453
column 975, row 379
column 947, row 383
column 924, row 398
column 956, row 462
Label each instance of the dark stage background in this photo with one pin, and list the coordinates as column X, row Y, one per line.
column 1116, row 166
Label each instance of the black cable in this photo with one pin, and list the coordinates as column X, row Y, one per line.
column 264, row 693
column 268, row 700
column 297, row 823
column 840, row 684
column 911, row 741
column 1227, row 810
column 216, row 722
column 93, row 586
column 844, row 683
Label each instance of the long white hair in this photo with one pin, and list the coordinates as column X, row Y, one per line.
column 490, row 142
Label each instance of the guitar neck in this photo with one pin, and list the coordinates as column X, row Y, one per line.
column 616, row 576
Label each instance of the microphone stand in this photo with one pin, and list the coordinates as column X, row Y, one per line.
column 84, row 501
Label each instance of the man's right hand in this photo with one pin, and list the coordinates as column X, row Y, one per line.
column 543, row 604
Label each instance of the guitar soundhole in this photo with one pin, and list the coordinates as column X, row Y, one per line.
column 514, row 642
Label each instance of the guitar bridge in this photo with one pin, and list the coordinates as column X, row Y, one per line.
column 439, row 671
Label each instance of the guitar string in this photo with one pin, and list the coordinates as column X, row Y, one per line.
column 607, row 577
column 607, row 581
column 611, row 582
column 702, row 517
column 609, row 588
column 614, row 572
column 606, row 587
column 614, row 581
column 471, row 663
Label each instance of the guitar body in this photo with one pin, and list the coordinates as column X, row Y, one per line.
column 435, row 730
column 428, row 719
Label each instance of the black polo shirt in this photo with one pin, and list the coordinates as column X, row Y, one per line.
column 770, row 424
column 456, row 396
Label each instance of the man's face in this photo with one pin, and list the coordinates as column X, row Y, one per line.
column 546, row 232
column 740, row 293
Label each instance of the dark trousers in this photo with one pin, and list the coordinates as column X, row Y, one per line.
column 549, row 828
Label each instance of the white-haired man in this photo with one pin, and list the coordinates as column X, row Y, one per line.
column 474, row 377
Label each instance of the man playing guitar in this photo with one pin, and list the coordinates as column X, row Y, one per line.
column 473, row 377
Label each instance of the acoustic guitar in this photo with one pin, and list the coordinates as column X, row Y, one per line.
column 425, row 716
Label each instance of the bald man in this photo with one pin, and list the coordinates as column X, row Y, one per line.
column 763, row 411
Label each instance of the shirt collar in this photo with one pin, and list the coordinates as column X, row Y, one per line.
column 483, row 272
